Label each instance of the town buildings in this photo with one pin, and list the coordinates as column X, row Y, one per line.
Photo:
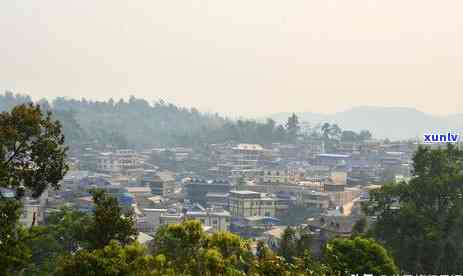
column 251, row 189
column 162, row 183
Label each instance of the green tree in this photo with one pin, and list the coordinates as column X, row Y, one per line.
column 67, row 227
column 359, row 227
column 180, row 243
column 113, row 259
column 262, row 250
column 14, row 253
column 306, row 264
column 272, row 266
column 108, row 222
column 358, row 256
column 32, row 157
column 349, row 136
column 288, row 244
column 335, row 132
column 325, row 129
column 227, row 243
column 365, row 135
column 63, row 234
column 303, row 244
column 421, row 220
column 32, row 152
column 211, row 262
column 292, row 126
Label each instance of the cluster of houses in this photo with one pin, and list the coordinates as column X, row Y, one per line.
column 248, row 189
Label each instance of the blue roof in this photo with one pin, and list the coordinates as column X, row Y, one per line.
column 7, row 193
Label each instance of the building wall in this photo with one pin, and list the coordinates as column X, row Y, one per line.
column 248, row 207
column 217, row 222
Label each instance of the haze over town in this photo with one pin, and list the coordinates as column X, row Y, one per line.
column 261, row 56
column 213, row 137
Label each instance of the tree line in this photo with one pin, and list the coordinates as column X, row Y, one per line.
column 138, row 123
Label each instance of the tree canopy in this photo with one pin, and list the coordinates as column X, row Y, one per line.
column 421, row 220
column 32, row 153
column 32, row 157
column 137, row 123
column 359, row 256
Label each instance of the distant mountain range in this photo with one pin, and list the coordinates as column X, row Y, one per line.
column 395, row 123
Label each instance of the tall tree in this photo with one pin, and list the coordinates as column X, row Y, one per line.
column 32, row 152
column 288, row 244
column 32, row 157
column 359, row 227
column 349, row 136
column 109, row 222
column 180, row 243
column 365, row 135
column 292, row 126
column 113, row 259
column 358, row 256
column 14, row 253
column 335, row 132
column 421, row 220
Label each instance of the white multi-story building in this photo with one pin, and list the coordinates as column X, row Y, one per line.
column 314, row 199
column 215, row 218
column 251, row 204
column 162, row 183
column 244, row 158
column 119, row 161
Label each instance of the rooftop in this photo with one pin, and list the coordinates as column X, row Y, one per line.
column 143, row 238
column 240, row 192
column 333, row 155
column 249, row 147
column 138, row 189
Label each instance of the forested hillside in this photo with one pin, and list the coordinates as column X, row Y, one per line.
column 138, row 123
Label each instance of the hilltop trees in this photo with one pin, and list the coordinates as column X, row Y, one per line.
column 138, row 123
column 292, row 126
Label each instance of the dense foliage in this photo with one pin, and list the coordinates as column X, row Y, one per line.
column 184, row 249
column 359, row 256
column 32, row 155
column 138, row 123
column 32, row 152
column 422, row 221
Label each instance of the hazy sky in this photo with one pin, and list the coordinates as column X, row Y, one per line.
column 249, row 57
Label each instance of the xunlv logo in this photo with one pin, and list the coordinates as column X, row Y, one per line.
column 441, row 138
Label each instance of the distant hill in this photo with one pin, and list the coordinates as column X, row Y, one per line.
column 141, row 124
column 384, row 122
column 137, row 123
